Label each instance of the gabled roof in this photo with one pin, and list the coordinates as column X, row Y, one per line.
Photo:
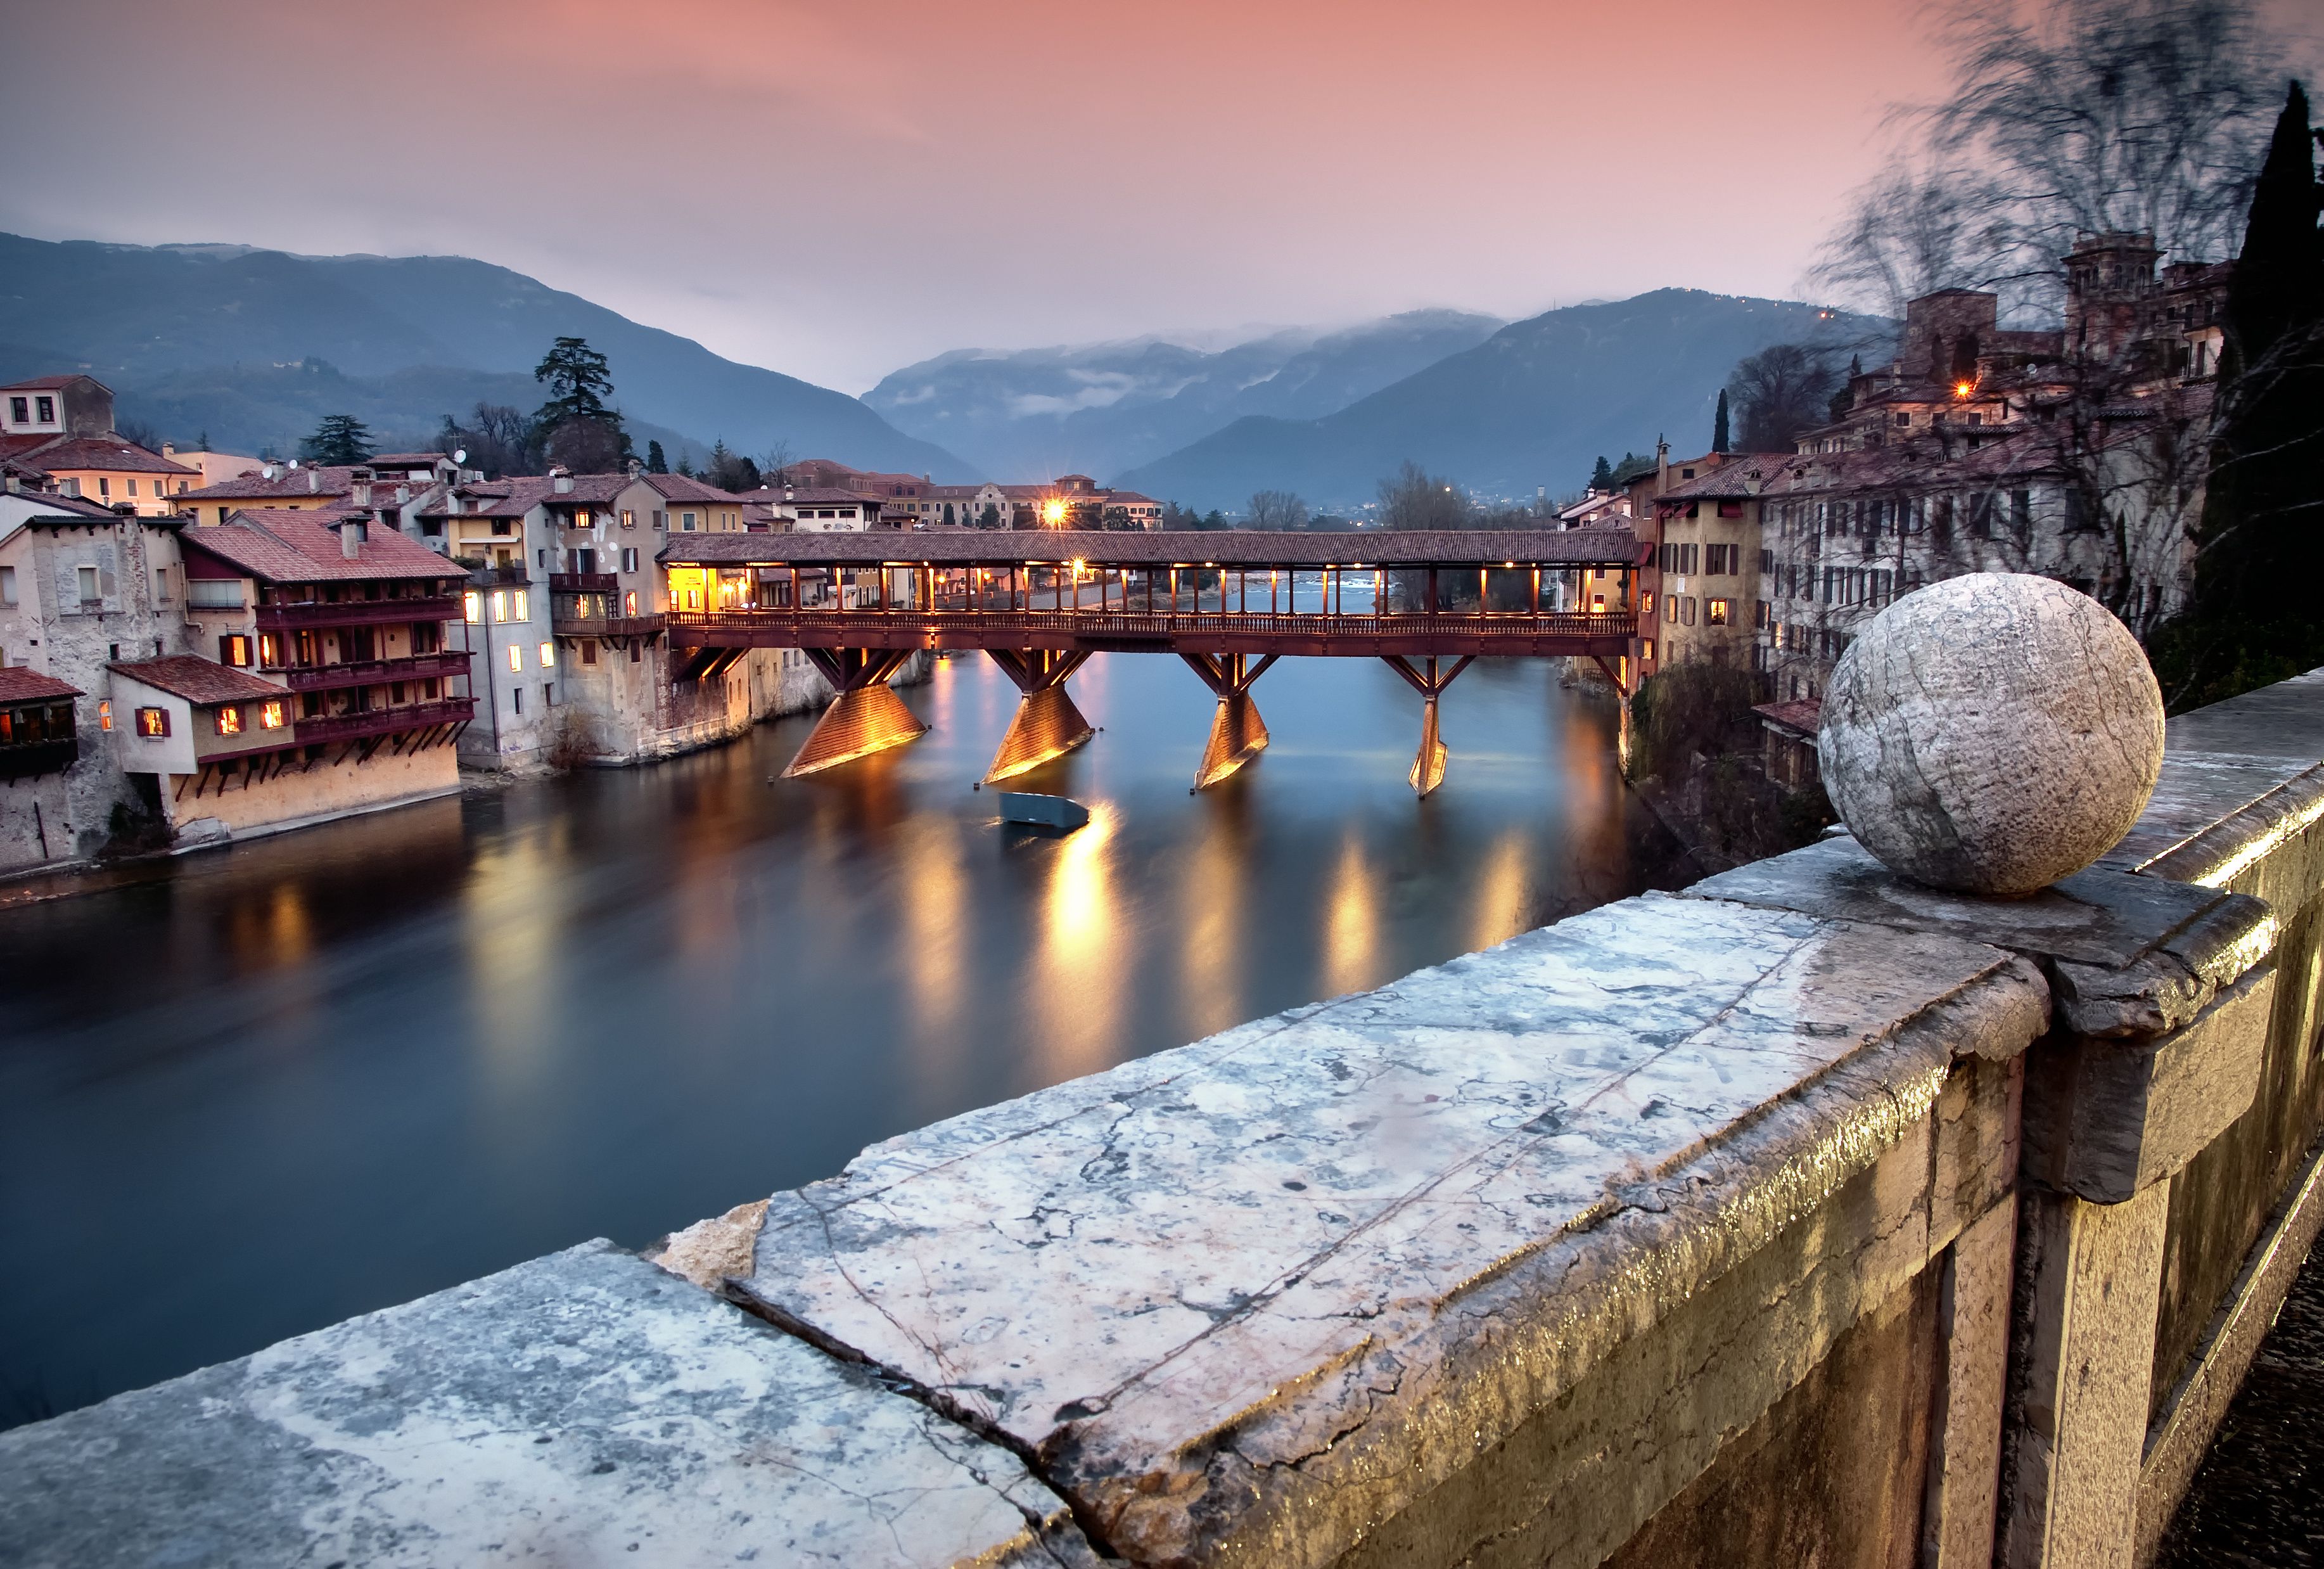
column 684, row 487
column 318, row 480
column 115, row 452
column 589, row 490
column 50, row 383
column 280, row 545
column 19, row 685
column 824, row 495
column 407, row 459
column 196, row 680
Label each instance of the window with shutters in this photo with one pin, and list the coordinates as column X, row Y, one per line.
column 228, row 721
column 233, row 648
column 154, row 724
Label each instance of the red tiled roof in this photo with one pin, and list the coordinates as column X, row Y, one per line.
column 19, row 685
column 113, row 453
column 589, row 490
column 1803, row 714
column 50, row 383
column 320, row 480
column 280, row 545
column 406, row 459
column 679, row 487
column 196, row 680
column 819, row 496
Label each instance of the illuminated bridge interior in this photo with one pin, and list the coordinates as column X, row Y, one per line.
column 1229, row 604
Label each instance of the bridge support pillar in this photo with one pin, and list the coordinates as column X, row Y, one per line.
column 1047, row 725
column 867, row 716
column 1430, row 681
column 1237, row 734
column 1614, row 673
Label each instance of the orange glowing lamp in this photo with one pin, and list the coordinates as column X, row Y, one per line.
column 1053, row 512
column 1963, row 389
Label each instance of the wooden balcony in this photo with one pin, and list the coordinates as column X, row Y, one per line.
column 356, row 613
column 369, row 672
column 31, row 759
column 383, row 721
column 585, row 582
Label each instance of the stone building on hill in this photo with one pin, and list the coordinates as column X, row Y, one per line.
column 2077, row 454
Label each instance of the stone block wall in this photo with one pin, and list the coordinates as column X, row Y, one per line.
column 1806, row 1217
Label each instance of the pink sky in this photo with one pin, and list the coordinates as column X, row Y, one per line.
column 835, row 189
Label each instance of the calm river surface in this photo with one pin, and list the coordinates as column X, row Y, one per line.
column 246, row 1093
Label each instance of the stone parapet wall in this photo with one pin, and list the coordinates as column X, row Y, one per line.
column 1808, row 1216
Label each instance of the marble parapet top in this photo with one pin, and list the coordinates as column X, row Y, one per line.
column 1181, row 1281
column 2220, row 761
column 2126, row 955
column 586, row 1408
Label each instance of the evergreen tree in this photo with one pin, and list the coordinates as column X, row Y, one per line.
column 685, row 466
column 576, row 427
column 655, row 462
column 990, row 517
column 1718, row 426
column 1603, row 476
column 2262, row 525
column 340, row 441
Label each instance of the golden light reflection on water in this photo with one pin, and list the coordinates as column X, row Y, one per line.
column 1351, row 921
column 513, row 924
column 1078, row 973
column 1499, row 911
column 933, row 891
column 1212, row 906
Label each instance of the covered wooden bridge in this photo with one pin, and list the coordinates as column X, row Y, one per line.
column 1228, row 604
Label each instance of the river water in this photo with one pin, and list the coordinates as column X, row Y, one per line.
column 246, row 1093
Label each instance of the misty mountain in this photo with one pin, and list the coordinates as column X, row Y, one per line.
column 179, row 330
column 1098, row 408
column 1531, row 406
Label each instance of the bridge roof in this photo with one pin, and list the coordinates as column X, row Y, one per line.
column 975, row 547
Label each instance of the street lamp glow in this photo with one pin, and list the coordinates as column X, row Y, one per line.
column 1053, row 512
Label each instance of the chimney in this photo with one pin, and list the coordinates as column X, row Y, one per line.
column 636, row 467
column 561, row 480
column 403, row 495
column 314, row 481
column 351, row 537
column 1662, row 466
column 169, row 449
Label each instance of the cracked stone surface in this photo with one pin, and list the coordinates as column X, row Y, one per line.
column 2259, row 748
column 1186, row 1282
column 584, row 1408
column 1991, row 733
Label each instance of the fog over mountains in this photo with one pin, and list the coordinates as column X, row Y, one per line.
column 253, row 347
column 226, row 339
column 1098, row 408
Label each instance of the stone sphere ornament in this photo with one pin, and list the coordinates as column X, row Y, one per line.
column 1991, row 733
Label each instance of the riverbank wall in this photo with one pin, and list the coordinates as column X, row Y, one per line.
column 1806, row 1216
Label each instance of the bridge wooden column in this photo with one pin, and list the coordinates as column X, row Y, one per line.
column 1047, row 725
column 1430, row 681
column 867, row 716
column 1237, row 734
column 1614, row 672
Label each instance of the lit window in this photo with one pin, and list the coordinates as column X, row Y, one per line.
column 629, row 519
column 500, row 604
column 154, row 724
column 472, row 606
column 233, row 648
column 694, row 599
column 104, row 715
column 516, row 657
column 270, row 714
column 228, row 721
column 630, row 603
column 548, row 656
column 518, row 598
column 1648, row 648
column 1715, row 612
column 582, row 519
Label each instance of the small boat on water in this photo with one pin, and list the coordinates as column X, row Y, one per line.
column 1059, row 812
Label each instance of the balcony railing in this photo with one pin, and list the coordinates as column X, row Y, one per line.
column 384, row 721
column 281, row 617
column 585, row 582
column 31, row 758
column 495, row 574
column 369, row 672
column 606, row 626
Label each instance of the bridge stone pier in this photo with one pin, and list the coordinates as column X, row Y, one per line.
column 1807, row 1216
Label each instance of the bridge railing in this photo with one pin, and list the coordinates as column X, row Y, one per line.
column 1163, row 624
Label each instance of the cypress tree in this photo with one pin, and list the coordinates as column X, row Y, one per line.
column 655, row 462
column 1717, row 425
column 2262, row 525
column 1603, row 476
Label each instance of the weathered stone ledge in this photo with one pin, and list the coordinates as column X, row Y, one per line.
column 1694, row 1227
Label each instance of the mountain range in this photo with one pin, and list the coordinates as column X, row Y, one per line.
column 1098, row 408
column 253, row 347
column 1529, row 407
